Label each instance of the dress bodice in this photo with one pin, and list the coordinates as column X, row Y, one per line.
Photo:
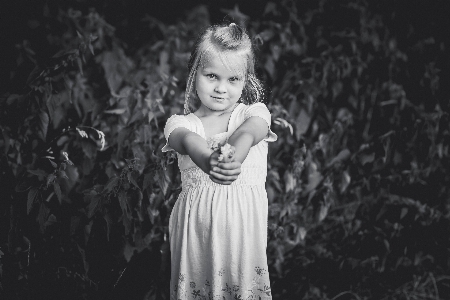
column 254, row 167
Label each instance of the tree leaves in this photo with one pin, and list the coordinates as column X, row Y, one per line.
column 162, row 177
column 314, row 80
column 57, row 190
column 112, row 183
column 93, row 205
column 43, row 124
column 131, row 178
column 302, row 123
column 123, row 201
column 32, row 196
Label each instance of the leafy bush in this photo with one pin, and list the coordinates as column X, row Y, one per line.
column 357, row 181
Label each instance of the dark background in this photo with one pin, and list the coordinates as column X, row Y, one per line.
column 358, row 181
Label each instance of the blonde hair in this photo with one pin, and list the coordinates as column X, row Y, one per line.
column 222, row 40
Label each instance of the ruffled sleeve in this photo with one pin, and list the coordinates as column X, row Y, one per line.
column 174, row 122
column 260, row 110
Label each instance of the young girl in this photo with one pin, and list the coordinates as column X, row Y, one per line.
column 218, row 226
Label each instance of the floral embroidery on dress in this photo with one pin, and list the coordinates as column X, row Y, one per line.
column 260, row 271
column 216, row 141
column 227, row 289
column 259, row 289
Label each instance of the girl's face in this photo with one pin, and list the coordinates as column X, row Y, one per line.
column 219, row 87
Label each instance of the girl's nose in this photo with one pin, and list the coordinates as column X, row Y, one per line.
column 220, row 87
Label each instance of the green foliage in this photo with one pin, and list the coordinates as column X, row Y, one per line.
column 357, row 181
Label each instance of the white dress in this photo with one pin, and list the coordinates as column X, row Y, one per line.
column 218, row 233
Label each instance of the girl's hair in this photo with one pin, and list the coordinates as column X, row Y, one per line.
column 222, row 40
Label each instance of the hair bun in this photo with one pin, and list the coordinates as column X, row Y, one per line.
column 236, row 31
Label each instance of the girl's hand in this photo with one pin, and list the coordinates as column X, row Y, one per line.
column 223, row 172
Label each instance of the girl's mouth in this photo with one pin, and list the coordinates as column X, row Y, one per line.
column 218, row 98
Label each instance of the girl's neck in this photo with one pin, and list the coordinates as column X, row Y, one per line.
column 206, row 112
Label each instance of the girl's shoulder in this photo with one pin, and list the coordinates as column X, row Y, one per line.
column 183, row 120
column 176, row 121
column 255, row 109
column 190, row 121
column 253, row 105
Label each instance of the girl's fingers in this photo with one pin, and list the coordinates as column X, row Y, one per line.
column 229, row 165
column 219, row 178
column 232, row 172
column 221, row 182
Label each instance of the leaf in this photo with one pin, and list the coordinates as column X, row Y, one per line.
column 93, row 206
column 7, row 142
column 403, row 212
column 43, row 124
column 108, row 220
column 137, row 115
column 80, row 66
column 58, row 193
column 367, row 158
column 269, row 66
column 270, row 8
column 91, row 48
column 301, row 234
column 22, row 187
column 74, row 222
column 53, row 101
column 323, row 212
column 117, row 111
column 342, row 156
column 126, row 223
column 32, row 195
column 128, row 252
column 290, row 181
column 53, row 163
column 51, row 220
column 147, row 180
column 63, row 174
column 123, row 201
column 112, row 183
column 163, row 64
column 50, row 178
column 89, row 148
column 313, row 180
column 163, row 180
column 302, row 123
column 345, row 181
column 38, row 172
column 130, row 176
column 151, row 115
column 42, row 216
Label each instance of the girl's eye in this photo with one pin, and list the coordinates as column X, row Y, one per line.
column 234, row 79
column 211, row 76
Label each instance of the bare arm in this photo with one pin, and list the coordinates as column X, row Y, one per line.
column 190, row 143
column 248, row 134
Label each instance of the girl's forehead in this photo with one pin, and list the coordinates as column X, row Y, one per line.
column 232, row 61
